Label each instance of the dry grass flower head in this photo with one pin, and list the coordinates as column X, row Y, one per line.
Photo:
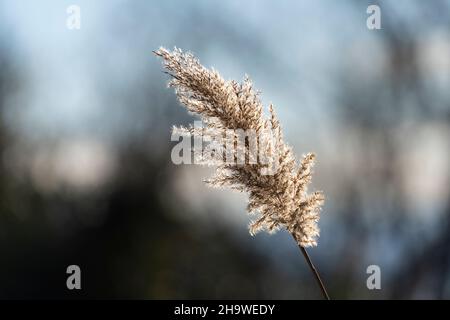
column 279, row 199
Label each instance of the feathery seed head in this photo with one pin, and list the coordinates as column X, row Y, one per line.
column 280, row 197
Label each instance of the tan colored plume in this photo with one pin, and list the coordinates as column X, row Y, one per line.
column 280, row 199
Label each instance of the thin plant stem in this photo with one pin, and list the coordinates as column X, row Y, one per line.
column 314, row 270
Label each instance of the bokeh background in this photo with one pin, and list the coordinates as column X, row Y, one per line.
column 86, row 176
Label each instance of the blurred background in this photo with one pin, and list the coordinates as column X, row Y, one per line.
column 86, row 176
